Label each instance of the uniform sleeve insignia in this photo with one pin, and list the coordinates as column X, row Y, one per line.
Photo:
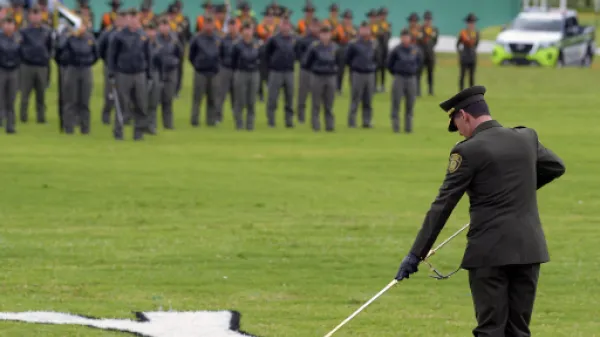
column 90, row 42
column 143, row 38
column 414, row 52
column 454, row 162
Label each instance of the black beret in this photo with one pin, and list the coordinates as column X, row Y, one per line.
column 462, row 100
column 207, row 4
column 347, row 14
column 471, row 18
column 428, row 15
column 221, row 8
column 232, row 21
column 35, row 9
column 246, row 25
column 208, row 18
column 334, row 7
column 269, row 11
column 413, row 17
column 372, row 13
column 150, row 25
column 404, row 32
column 132, row 12
column 325, row 29
column 163, row 21
column 382, row 11
column 244, row 6
column 364, row 24
column 114, row 3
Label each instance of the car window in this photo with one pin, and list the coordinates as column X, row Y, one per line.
column 538, row 24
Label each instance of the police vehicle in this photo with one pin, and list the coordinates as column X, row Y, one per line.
column 545, row 38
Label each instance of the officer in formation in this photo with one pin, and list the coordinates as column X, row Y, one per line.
column 129, row 64
column 466, row 45
column 36, row 50
column 264, row 31
column 10, row 60
column 383, row 38
column 280, row 57
column 103, row 43
column 428, row 41
column 226, row 82
column 362, row 59
column 245, row 61
column 322, row 60
column 81, row 54
column 404, row 62
column 166, row 61
column 345, row 33
column 204, row 55
column 501, row 170
column 302, row 47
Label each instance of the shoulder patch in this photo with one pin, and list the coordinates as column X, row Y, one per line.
column 520, row 127
column 314, row 43
column 454, row 162
column 143, row 37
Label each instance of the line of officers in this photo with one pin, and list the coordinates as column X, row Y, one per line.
column 143, row 57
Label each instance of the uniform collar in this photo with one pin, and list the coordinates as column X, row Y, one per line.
column 486, row 125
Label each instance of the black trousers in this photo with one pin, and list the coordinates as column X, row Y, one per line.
column 429, row 65
column 503, row 298
column 464, row 68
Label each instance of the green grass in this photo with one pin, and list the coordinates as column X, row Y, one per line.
column 585, row 18
column 292, row 228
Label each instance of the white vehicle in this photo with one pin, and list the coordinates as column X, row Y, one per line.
column 545, row 38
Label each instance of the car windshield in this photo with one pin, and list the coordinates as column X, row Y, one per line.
column 543, row 25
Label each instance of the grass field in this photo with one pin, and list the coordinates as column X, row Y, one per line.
column 292, row 228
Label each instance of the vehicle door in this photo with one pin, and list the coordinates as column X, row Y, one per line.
column 573, row 42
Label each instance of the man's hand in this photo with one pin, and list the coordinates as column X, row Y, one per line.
column 409, row 265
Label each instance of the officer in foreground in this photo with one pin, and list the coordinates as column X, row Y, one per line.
column 501, row 170
column 9, row 71
column 204, row 57
column 279, row 54
column 245, row 61
column 321, row 59
column 404, row 62
column 362, row 58
column 166, row 60
column 82, row 54
column 129, row 67
column 36, row 50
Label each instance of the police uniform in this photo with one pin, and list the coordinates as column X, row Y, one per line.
column 10, row 60
column 82, row 55
column 103, row 43
column 302, row 27
column 61, row 57
column 167, row 58
column 429, row 39
column 280, row 57
column 466, row 44
column 383, row 39
column 129, row 61
column 264, row 31
column 226, row 83
column 245, row 60
column 416, row 36
column 304, row 87
column 346, row 32
column 204, row 57
column 86, row 14
column 154, row 89
column 108, row 18
column 322, row 61
column 36, row 50
column 361, row 58
column 336, row 32
column 501, row 170
column 17, row 12
column 404, row 62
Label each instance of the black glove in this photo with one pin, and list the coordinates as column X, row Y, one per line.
column 409, row 265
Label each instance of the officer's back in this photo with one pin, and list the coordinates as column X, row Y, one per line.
column 505, row 223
